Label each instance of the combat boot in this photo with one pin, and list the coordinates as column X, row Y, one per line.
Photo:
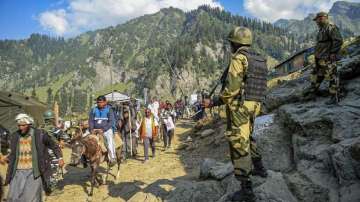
column 246, row 193
column 310, row 94
column 259, row 168
column 112, row 163
column 309, row 90
column 333, row 100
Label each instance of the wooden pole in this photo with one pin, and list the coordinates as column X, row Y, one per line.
column 56, row 113
column 131, row 153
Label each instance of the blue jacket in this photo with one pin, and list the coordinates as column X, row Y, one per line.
column 101, row 118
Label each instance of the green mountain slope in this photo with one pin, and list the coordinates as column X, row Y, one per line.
column 170, row 52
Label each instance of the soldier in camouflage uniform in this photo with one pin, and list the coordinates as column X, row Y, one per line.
column 52, row 129
column 58, row 136
column 328, row 45
column 243, row 90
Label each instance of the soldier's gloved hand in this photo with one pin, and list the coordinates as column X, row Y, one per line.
column 61, row 163
column 206, row 103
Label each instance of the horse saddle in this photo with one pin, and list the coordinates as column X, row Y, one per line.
column 118, row 140
column 100, row 140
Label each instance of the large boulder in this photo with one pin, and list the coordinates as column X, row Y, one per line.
column 207, row 132
column 215, row 170
column 230, row 184
column 186, row 191
column 346, row 168
column 286, row 93
column 305, row 190
column 274, row 144
column 350, row 193
column 144, row 197
column 318, row 143
column 317, row 119
column 355, row 151
column 350, row 67
column 274, row 189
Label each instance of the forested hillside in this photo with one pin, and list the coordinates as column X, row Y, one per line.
column 170, row 52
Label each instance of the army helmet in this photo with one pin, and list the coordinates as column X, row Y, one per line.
column 48, row 115
column 240, row 35
column 321, row 14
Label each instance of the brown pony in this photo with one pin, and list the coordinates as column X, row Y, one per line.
column 95, row 153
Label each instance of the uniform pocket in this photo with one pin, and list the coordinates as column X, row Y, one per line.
column 239, row 115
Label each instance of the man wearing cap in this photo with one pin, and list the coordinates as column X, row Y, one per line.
column 327, row 48
column 29, row 166
column 243, row 90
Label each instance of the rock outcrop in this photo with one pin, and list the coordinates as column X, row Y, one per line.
column 311, row 150
column 317, row 145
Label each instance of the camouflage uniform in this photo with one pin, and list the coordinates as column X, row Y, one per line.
column 240, row 116
column 55, row 134
column 328, row 42
column 244, row 88
column 51, row 130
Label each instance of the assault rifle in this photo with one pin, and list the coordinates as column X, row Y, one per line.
column 219, row 81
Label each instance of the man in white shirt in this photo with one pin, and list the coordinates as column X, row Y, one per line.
column 169, row 130
column 154, row 107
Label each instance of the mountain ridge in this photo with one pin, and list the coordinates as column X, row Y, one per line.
column 170, row 52
column 344, row 14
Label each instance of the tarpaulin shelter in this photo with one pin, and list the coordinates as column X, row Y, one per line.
column 117, row 97
column 12, row 104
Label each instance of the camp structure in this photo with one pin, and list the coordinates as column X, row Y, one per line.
column 12, row 104
column 116, row 97
column 294, row 63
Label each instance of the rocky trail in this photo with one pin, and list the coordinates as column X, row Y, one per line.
column 135, row 176
column 151, row 181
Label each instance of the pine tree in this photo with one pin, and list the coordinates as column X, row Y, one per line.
column 91, row 101
column 49, row 99
column 63, row 103
column 33, row 92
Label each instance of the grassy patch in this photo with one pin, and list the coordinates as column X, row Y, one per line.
column 120, row 87
column 41, row 92
column 278, row 80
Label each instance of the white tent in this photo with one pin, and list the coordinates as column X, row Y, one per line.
column 116, row 97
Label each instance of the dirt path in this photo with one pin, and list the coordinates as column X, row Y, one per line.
column 134, row 176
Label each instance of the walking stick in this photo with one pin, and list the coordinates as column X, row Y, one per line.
column 131, row 151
